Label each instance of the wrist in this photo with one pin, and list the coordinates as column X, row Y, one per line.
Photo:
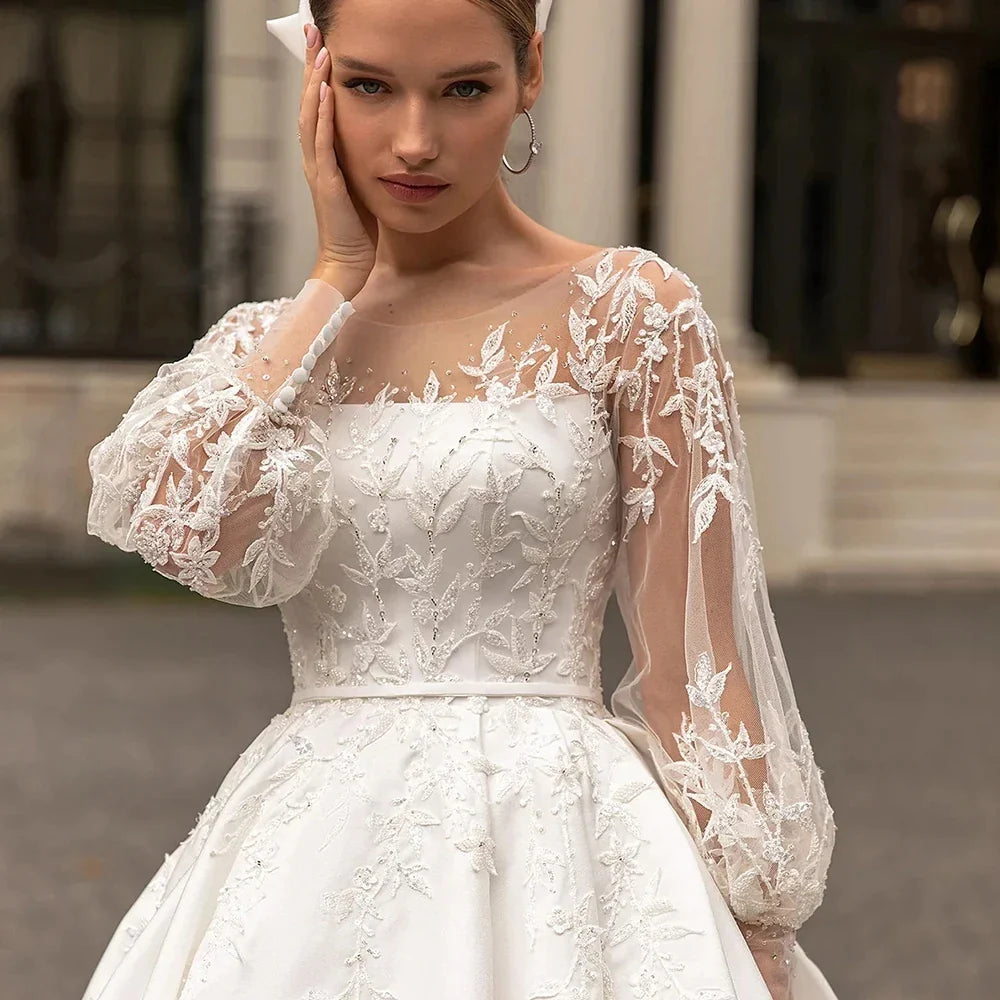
column 347, row 281
column 766, row 936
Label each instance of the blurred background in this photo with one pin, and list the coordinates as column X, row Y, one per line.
column 828, row 172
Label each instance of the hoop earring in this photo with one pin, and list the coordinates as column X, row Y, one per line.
column 534, row 147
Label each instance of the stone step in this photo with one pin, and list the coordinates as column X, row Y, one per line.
column 950, row 450
column 949, row 445
column 899, row 568
column 926, row 533
column 976, row 499
column 915, row 488
column 914, row 470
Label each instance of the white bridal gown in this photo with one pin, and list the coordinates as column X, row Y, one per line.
column 441, row 509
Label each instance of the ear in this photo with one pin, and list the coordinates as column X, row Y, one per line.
column 532, row 86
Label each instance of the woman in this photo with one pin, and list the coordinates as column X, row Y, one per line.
column 439, row 460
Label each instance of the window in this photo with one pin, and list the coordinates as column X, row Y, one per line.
column 101, row 178
column 872, row 118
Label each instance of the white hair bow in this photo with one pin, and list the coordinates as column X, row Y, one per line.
column 290, row 31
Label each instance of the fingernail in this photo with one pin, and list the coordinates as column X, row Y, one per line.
column 321, row 58
column 323, row 89
column 312, row 33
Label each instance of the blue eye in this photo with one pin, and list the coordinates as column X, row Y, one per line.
column 359, row 84
column 481, row 87
column 353, row 84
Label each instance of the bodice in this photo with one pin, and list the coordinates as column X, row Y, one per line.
column 475, row 541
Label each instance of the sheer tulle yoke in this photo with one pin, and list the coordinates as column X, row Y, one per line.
column 442, row 515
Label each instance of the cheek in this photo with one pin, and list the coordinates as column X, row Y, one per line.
column 491, row 131
column 480, row 140
column 355, row 140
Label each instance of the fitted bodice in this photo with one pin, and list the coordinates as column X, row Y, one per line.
column 475, row 542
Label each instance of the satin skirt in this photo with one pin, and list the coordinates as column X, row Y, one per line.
column 459, row 847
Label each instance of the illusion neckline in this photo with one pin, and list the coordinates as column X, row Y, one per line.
column 359, row 317
column 477, row 401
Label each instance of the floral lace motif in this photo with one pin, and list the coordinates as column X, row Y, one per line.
column 441, row 539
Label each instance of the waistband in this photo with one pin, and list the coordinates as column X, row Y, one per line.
column 447, row 689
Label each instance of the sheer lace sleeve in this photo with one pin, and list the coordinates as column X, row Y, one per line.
column 218, row 473
column 708, row 686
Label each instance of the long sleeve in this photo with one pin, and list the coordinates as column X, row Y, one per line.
column 218, row 474
column 708, row 681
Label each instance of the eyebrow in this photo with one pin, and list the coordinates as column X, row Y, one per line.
column 360, row 66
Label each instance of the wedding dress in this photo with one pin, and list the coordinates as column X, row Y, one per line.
column 441, row 508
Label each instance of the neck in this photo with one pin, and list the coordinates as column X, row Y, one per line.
column 492, row 233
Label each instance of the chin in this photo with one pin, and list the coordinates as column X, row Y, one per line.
column 417, row 219
column 411, row 226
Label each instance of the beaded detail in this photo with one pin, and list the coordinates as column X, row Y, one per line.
column 287, row 393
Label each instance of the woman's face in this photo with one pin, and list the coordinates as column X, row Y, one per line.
column 437, row 96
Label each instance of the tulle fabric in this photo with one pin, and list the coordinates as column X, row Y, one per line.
column 707, row 694
column 209, row 482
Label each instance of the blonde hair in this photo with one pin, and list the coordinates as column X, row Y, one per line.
column 516, row 16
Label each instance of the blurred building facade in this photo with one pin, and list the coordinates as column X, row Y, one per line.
column 826, row 170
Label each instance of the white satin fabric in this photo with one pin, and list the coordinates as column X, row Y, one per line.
column 482, row 847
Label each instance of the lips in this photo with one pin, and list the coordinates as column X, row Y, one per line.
column 412, row 191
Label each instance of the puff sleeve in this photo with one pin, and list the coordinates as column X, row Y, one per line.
column 218, row 474
column 708, row 683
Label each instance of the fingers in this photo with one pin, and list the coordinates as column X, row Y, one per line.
column 311, row 50
column 326, row 159
column 317, row 69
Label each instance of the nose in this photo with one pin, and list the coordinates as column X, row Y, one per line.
column 414, row 137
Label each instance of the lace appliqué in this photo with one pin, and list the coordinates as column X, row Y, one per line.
column 447, row 792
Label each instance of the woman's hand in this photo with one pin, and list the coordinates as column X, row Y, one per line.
column 347, row 231
column 773, row 950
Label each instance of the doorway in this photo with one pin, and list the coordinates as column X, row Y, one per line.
column 877, row 187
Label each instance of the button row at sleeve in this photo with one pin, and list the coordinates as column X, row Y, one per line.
column 287, row 393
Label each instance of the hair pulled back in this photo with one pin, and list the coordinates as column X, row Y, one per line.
column 516, row 16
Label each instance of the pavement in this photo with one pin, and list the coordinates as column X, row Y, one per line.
column 118, row 719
